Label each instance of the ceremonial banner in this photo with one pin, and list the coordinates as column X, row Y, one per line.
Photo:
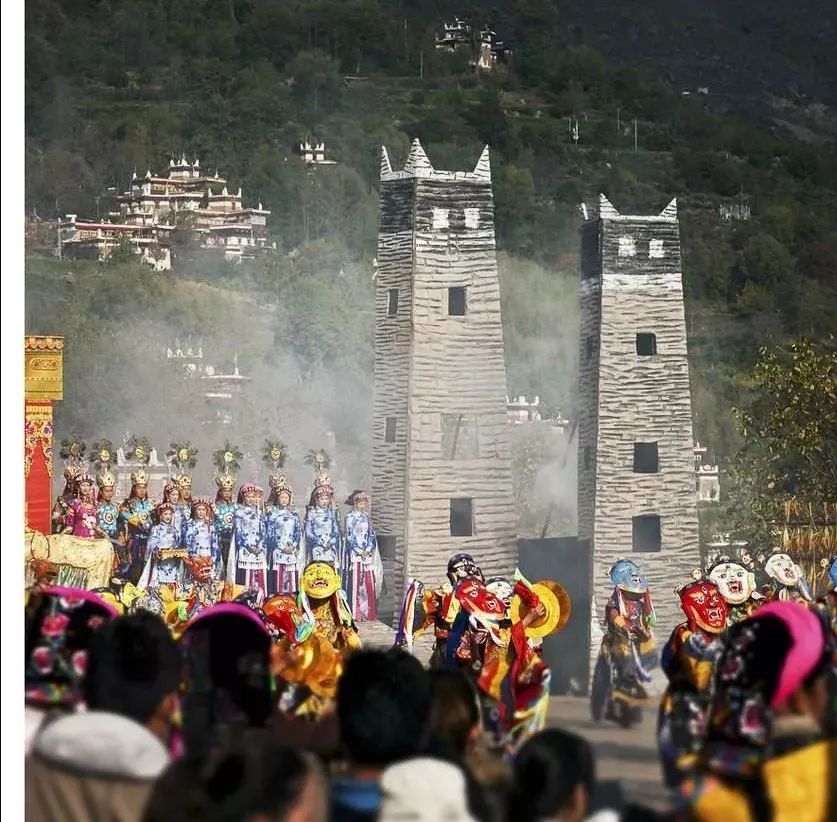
column 43, row 384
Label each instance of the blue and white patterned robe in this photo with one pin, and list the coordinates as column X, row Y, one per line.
column 283, row 537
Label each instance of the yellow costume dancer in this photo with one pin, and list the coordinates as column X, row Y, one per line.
column 324, row 603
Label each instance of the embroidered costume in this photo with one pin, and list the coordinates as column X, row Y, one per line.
column 82, row 516
column 627, row 649
column 283, row 536
column 439, row 607
column 164, row 565
column 135, row 516
column 364, row 567
column 247, row 562
column 688, row 661
column 59, row 511
column 323, row 540
column 204, row 563
column 493, row 639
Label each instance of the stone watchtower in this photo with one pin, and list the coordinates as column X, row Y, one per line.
column 441, row 464
column 636, row 475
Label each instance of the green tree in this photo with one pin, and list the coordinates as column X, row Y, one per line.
column 789, row 432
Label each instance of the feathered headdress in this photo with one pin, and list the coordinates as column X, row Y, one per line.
column 138, row 449
column 318, row 459
column 103, row 454
column 72, row 450
column 226, row 459
column 182, row 456
column 274, row 454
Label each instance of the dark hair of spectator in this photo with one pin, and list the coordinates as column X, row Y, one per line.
column 383, row 707
column 547, row 770
column 259, row 778
column 132, row 665
column 226, row 671
column 454, row 714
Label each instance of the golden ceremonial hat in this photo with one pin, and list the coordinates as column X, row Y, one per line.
column 555, row 600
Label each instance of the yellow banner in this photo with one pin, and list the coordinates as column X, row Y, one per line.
column 44, row 368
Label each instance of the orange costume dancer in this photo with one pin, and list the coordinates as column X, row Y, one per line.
column 305, row 663
column 439, row 608
column 492, row 638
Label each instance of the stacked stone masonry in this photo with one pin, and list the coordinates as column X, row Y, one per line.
column 437, row 233
column 631, row 284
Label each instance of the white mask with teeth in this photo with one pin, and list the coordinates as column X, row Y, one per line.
column 734, row 581
column 783, row 569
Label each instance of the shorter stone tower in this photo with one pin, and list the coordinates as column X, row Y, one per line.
column 636, row 475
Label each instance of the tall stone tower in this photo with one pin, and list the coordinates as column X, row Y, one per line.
column 441, row 464
column 636, row 483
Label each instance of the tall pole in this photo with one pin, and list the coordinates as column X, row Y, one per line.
column 636, row 142
column 421, row 65
column 618, row 120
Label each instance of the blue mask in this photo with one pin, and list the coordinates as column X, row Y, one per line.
column 832, row 573
column 626, row 575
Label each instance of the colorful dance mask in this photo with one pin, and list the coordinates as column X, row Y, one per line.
column 625, row 575
column 734, row 581
column 781, row 568
column 319, row 580
column 503, row 590
column 704, row 606
column 478, row 601
column 463, row 566
column 832, row 574
column 283, row 613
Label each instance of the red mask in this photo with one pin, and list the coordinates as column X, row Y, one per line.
column 477, row 600
column 704, row 606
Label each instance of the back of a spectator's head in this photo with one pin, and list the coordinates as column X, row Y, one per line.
column 455, row 716
column 383, row 707
column 554, row 773
column 133, row 666
column 255, row 781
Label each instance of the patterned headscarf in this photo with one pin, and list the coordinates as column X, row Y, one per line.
column 766, row 660
column 60, row 623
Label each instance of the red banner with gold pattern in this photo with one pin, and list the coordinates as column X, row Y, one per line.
column 37, row 464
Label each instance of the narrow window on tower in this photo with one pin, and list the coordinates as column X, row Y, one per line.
column 389, row 431
column 627, row 247
column 392, row 302
column 440, row 218
column 587, row 461
column 588, row 349
column 457, row 301
column 646, row 458
column 461, row 517
column 646, row 345
column 646, row 534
